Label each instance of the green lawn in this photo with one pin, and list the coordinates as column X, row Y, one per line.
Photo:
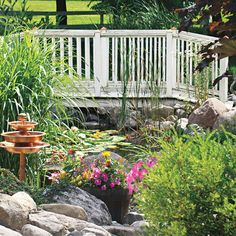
column 71, row 6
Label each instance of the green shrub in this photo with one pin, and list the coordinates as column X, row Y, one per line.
column 192, row 190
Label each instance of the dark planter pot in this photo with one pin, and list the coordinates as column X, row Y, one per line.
column 117, row 201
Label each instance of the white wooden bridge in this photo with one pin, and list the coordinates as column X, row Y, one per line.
column 136, row 62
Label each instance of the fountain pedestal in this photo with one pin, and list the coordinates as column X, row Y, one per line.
column 23, row 141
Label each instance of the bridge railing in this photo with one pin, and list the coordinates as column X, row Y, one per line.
column 137, row 62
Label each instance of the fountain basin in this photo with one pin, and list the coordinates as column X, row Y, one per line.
column 33, row 148
column 23, row 126
column 28, row 137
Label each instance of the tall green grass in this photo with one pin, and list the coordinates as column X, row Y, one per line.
column 29, row 83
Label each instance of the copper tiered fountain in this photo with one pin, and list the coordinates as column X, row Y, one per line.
column 23, row 141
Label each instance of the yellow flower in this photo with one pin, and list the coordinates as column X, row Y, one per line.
column 62, row 174
column 86, row 175
column 108, row 163
column 106, row 154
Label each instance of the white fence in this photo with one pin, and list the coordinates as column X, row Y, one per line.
column 136, row 62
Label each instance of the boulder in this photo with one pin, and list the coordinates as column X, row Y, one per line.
column 96, row 209
column 25, row 200
column 12, row 214
column 67, row 210
column 8, row 232
column 206, row 115
column 31, row 230
column 227, row 120
column 131, row 217
column 121, row 230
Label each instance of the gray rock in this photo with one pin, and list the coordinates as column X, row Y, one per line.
column 132, row 217
column 31, row 230
column 181, row 113
column 166, row 125
column 12, row 214
column 162, row 112
column 172, row 118
column 122, row 230
column 67, row 210
column 97, row 232
column 206, row 115
column 91, row 125
column 49, row 222
column 132, row 120
column 96, row 209
column 227, row 120
column 25, row 200
column 181, row 125
column 140, row 227
column 8, row 232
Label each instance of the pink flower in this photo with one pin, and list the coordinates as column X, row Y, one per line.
column 112, row 185
column 104, row 188
column 104, row 177
column 142, row 173
column 54, row 177
column 117, row 181
column 97, row 171
column 98, row 182
column 151, row 162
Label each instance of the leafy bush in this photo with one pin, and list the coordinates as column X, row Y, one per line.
column 192, row 190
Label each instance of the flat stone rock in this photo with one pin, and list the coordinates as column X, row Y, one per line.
column 96, row 209
column 67, row 210
column 31, row 230
column 97, row 232
column 8, row 232
column 59, row 225
column 49, row 222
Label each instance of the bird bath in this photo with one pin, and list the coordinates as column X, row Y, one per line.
column 23, row 141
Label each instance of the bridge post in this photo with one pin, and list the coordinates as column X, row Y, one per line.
column 170, row 63
column 224, row 82
column 97, row 63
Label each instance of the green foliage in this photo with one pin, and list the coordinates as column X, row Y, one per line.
column 11, row 185
column 192, row 190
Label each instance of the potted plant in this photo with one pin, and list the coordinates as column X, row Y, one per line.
column 110, row 180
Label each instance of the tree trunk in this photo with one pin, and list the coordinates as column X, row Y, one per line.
column 61, row 10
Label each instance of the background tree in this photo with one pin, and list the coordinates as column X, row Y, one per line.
column 218, row 17
column 61, row 10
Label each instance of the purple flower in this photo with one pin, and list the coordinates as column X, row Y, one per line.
column 98, row 182
column 112, row 185
column 104, row 188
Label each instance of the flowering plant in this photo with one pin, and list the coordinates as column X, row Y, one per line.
column 103, row 173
